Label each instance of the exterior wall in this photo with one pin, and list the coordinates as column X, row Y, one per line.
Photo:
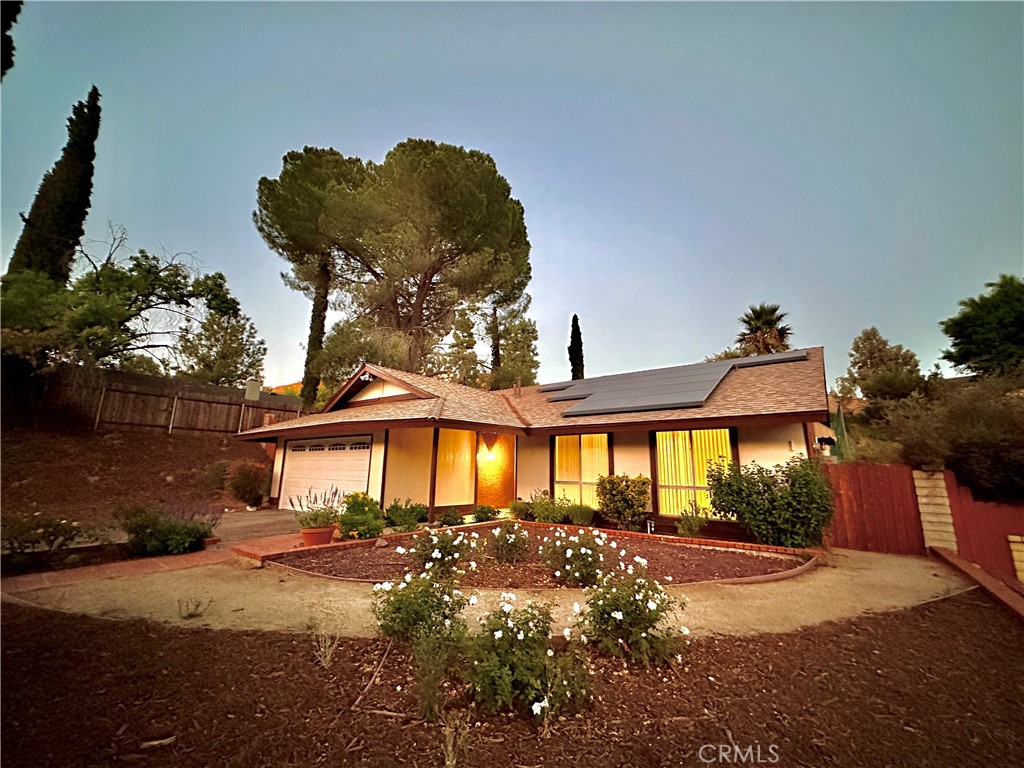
column 772, row 445
column 376, row 390
column 496, row 477
column 375, row 482
column 533, row 466
column 408, row 465
column 275, row 479
column 456, row 468
column 631, row 453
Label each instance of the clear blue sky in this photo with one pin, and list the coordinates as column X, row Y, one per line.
column 859, row 164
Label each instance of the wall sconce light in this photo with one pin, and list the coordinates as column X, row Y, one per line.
column 490, row 439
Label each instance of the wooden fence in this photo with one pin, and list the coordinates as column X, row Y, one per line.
column 876, row 508
column 983, row 528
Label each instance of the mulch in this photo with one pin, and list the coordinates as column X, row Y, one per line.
column 667, row 562
column 937, row 685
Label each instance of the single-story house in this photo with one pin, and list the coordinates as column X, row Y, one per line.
column 399, row 435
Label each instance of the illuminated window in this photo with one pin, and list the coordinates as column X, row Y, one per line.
column 579, row 461
column 683, row 467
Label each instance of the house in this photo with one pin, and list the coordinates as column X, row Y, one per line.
column 399, row 435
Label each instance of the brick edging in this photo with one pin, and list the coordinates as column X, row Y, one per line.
column 985, row 580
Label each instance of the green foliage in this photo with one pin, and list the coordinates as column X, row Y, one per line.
column 10, row 15
column 521, row 510
column 577, row 559
column 417, row 606
column 880, row 370
column 484, row 514
column 580, row 514
column 318, row 509
column 40, row 532
column 55, row 223
column 435, row 653
column 626, row 615
column 405, row 516
column 575, row 349
column 451, row 517
column 460, row 361
column 763, row 330
column 513, row 345
column 213, row 476
column 154, row 531
column 624, row 499
column 442, row 554
column 987, row 334
column 318, row 517
column 546, row 509
column 361, row 518
column 510, row 542
column 221, row 350
column 690, row 524
column 245, row 482
column 787, row 506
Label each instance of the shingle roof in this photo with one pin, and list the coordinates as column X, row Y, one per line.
column 792, row 387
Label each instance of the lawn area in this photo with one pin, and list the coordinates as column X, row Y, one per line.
column 936, row 685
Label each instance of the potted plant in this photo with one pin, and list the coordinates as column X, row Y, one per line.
column 317, row 517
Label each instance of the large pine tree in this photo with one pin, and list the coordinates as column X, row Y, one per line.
column 576, row 349
column 56, row 222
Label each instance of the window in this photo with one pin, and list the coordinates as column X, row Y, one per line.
column 683, row 467
column 298, row 448
column 579, row 461
column 316, row 447
column 336, row 447
column 360, row 446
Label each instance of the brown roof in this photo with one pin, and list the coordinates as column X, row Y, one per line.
column 795, row 389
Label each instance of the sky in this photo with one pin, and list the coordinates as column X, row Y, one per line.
column 858, row 164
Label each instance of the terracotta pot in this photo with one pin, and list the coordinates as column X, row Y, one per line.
column 312, row 537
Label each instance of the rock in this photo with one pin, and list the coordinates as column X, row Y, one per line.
column 381, row 544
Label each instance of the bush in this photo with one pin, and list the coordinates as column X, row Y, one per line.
column 361, row 518
column 158, row 531
column 576, row 559
column 405, row 515
column 484, row 514
column 691, row 523
column 521, row 510
column 450, row 517
column 514, row 669
column 580, row 514
column 317, row 510
column 787, row 506
column 548, row 510
column 510, row 542
column 212, row 477
column 442, row 553
column 436, row 652
column 626, row 616
column 417, row 606
column 246, row 482
column 40, row 532
column 623, row 500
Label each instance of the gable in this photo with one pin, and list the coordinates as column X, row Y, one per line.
column 377, row 390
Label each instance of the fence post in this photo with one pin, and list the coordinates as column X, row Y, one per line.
column 241, row 415
column 99, row 410
column 174, row 410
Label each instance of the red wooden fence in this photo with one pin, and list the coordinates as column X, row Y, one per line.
column 876, row 509
column 982, row 528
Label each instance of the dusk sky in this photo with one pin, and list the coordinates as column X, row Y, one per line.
column 858, row 164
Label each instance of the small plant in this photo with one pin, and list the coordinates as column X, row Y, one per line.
column 435, row 653
column 455, row 738
column 450, row 517
column 362, row 517
column 549, row 510
column 319, row 509
column 577, row 559
column 246, row 482
column 484, row 514
column 442, row 554
column 510, row 542
column 521, row 510
column 416, row 605
column 626, row 615
column 580, row 514
column 40, row 532
column 405, row 516
column 213, row 477
column 690, row 524
column 193, row 607
column 624, row 499
column 165, row 531
column 325, row 643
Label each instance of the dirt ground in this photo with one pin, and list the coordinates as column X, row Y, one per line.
column 938, row 685
column 242, row 597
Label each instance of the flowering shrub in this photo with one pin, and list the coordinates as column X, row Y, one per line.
column 443, row 553
column 21, row 535
column 625, row 616
column 577, row 559
column 510, row 542
column 624, row 499
column 362, row 517
column 417, row 606
column 317, row 510
column 513, row 668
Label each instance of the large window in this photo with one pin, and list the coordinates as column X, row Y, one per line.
column 683, row 467
column 579, row 461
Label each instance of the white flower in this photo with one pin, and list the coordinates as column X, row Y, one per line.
column 408, row 577
column 568, row 553
column 617, row 615
column 685, row 630
column 521, row 635
column 506, row 607
column 550, row 652
column 622, row 553
column 583, row 638
column 651, row 605
column 498, row 634
column 400, row 550
column 567, row 633
column 472, row 599
column 436, row 554
column 576, row 608
column 538, row 706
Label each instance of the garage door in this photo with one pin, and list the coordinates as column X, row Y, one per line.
column 317, row 466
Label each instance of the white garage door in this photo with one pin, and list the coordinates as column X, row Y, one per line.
column 318, row 466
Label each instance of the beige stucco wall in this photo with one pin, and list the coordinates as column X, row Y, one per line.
column 631, row 453
column 772, row 445
column 533, row 466
column 456, row 468
column 376, row 466
column 377, row 389
column 408, row 465
column 275, row 478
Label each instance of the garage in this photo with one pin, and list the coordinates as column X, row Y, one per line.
column 317, row 466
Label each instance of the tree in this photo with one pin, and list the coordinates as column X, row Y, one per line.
column 576, row 349
column 763, row 329
column 879, row 369
column 461, row 363
column 55, row 224
column 987, row 335
column 221, row 350
column 289, row 216
column 349, row 343
column 10, row 15
column 515, row 335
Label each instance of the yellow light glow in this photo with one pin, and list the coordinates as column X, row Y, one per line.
column 490, row 456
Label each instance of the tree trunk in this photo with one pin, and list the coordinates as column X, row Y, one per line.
column 317, row 329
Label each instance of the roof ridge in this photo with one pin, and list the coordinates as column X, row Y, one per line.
column 436, row 414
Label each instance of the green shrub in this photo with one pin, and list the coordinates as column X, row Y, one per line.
column 624, row 499
column 484, row 514
column 691, row 523
column 40, row 532
column 451, row 517
column 442, row 554
column 436, row 653
column 626, row 615
column 510, row 542
column 513, row 667
column 788, row 506
column 405, row 515
column 317, row 509
column 580, row 514
column 212, row 477
column 158, row 531
column 521, row 510
column 549, row 510
column 417, row 606
column 318, row 517
column 246, row 482
column 361, row 518
column 577, row 559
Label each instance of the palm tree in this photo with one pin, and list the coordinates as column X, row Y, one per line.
column 763, row 331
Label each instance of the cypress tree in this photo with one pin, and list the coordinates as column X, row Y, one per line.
column 576, row 349
column 56, row 222
column 10, row 15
